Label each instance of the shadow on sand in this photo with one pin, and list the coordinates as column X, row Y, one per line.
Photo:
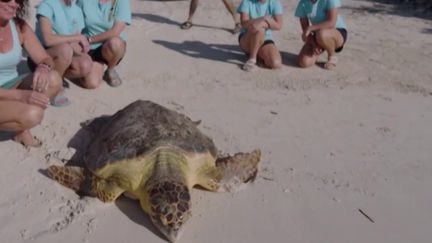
column 198, row 49
column 163, row 20
column 404, row 8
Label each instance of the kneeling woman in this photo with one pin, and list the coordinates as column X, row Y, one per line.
column 23, row 99
column 258, row 19
column 105, row 21
column 323, row 30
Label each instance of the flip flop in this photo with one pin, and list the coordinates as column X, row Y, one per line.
column 186, row 25
column 112, row 78
column 60, row 100
column 237, row 28
column 250, row 65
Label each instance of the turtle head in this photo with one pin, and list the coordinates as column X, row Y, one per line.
column 169, row 207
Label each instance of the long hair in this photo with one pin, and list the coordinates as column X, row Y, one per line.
column 22, row 9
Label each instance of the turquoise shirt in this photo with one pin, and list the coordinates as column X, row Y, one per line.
column 65, row 20
column 256, row 9
column 317, row 12
column 96, row 17
column 10, row 60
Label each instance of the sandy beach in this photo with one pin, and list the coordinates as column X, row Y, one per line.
column 346, row 154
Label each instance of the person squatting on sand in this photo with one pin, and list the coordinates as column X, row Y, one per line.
column 229, row 6
column 323, row 30
column 258, row 19
column 105, row 21
column 58, row 27
column 24, row 98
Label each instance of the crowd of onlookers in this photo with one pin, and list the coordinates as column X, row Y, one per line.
column 83, row 41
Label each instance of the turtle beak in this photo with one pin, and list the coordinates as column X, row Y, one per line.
column 172, row 235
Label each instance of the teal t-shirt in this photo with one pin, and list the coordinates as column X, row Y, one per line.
column 317, row 12
column 96, row 17
column 65, row 20
column 256, row 9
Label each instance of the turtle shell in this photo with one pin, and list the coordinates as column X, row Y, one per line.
column 141, row 127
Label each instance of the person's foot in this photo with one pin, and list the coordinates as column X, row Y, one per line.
column 237, row 28
column 186, row 25
column 112, row 78
column 60, row 100
column 331, row 63
column 27, row 140
column 250, row 65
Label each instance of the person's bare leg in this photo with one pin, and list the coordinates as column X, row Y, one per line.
column 94, row 78
column 54, row 84
column 329, row 40
column 113, row 50
column 231, row 8
column 271, row 56
column 62, row 55
column 18, row 117
column 307, row 57
column 192, row 8
column 80, row 66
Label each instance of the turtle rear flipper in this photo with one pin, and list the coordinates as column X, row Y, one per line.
column 232, row 172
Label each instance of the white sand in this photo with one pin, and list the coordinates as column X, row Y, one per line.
column 332, row 142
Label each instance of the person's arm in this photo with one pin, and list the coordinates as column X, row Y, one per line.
column 9, row 94
column 115, row 31
column 274, row 22
column 329, row 23
column 39, row 55
column 51, row 39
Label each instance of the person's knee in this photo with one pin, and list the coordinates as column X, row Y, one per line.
column 258, row 31
column 55, row 82
column 91, row 83
column 322, row 36
column 64, row 53
column 115, row 44
column 85, row 66
column 31, row 117
column 274, row 63
column 304, row 62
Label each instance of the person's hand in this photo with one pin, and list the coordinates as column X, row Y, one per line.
column 316, row 49
column 76, row 47
column 33, row 98
column 306, row 33
column 41, row 78
column 83, row 42
column 257, row 25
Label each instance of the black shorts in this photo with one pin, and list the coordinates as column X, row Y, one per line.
column 96, row 55
column 266, row 42
column 344, row 34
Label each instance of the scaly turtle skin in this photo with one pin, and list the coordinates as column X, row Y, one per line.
column 155, row 155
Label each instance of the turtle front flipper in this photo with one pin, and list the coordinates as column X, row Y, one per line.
column 83, row 181
column 69, row 176
column 231, row 172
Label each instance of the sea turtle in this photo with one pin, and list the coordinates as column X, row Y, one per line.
column 155, row 155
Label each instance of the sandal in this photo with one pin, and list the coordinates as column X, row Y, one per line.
column 186, row 25
column 237, row 28
column 112, row 78
column 331, row 63
column 250, row 65
column 60, row 100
